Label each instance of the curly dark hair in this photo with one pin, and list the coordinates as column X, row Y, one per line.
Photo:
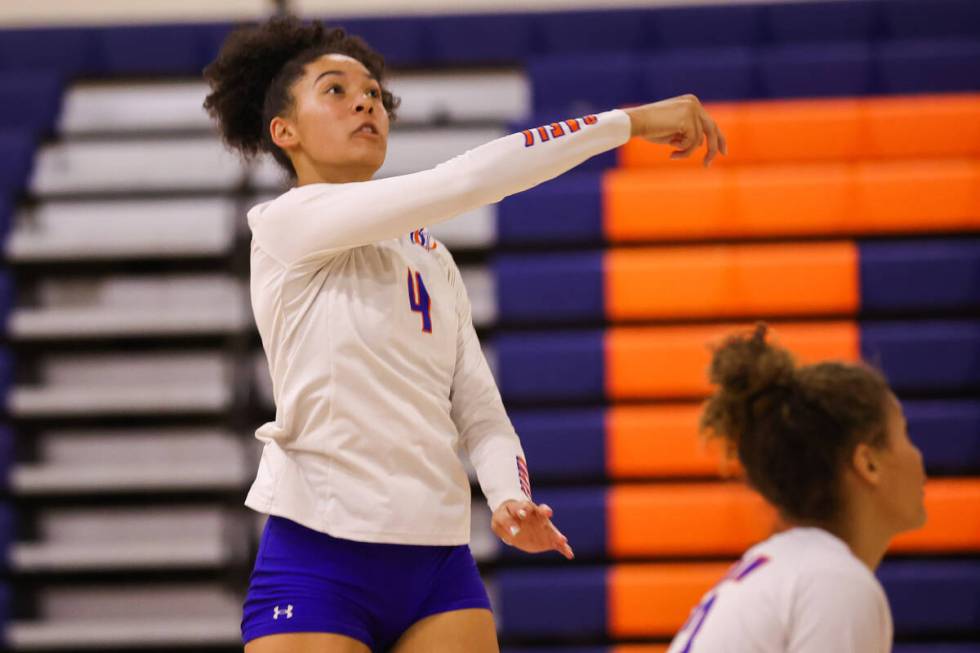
column 251, row 78
column 793, row 428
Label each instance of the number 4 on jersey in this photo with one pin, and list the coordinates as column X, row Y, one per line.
column 419, row 301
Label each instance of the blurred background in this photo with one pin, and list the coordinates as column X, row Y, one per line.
column 847, row 214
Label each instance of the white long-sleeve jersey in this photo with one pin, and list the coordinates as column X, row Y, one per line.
column 801, row 591
column 377, row 373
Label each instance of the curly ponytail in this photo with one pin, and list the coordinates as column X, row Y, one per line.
column 251, row 78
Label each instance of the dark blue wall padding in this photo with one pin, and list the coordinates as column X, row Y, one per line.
column 580, row 514
column 8, row 528
column 482, row 38
column 30, row 100
column 6, row 375
column 69, row 51
column 562, row 211
column 154, row 50
column 7, row 298
column 563, row 444
column 550, row 366
column 7, row 453
column 550, row 287
column 715, row 74
column 691, row 27
column 920, row 275
column 933, row 596
column 929, row 357
column 802, row 22
column 580, row 32
column 929, row 66
column 568, row 84
column 935, row 18
column 947, row 433
column 6, row 216
column 16, row 159
column 401, row 40
column 569, row 601
column 817, row 70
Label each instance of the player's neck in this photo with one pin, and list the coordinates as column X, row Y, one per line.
column 308, row 172
column 867, row 539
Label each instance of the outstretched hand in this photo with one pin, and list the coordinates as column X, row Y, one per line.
column 528, row 527
column 681, row 122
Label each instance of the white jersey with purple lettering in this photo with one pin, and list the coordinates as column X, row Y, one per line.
column 801, row 591
column 378, row 377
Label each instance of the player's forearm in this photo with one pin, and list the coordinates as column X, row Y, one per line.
column 320, row 218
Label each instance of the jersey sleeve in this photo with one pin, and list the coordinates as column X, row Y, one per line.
column 485, row 431
column 840, row 612
column 316, row 220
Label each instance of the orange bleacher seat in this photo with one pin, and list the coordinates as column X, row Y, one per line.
column 671, row 361
column 659, row 441
column 785, row 131
column 655, row 599
column 711, row 519
column 785, row 279
column 828, row 199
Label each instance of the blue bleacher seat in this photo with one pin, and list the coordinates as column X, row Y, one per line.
column 817, row 70
column 710, row 26
column 569, row 285
column 570, row 601
column 574, row 85
column 929, row 66
column 920, row 275
column 8, row 528
column 16, row 158
column 30, row 100
column 69, row 51
column 932, row 596
column 930, row 357
column 802, row 22
column 5, row 615
column 478, row 39
column 212, row 38
column 580, row 32
column 6, row 216
column 153, row 49
column 935, row 18
column 715, row 74
column 563, row 211
column 563, row 444
column 947, row 432
column 551, row 366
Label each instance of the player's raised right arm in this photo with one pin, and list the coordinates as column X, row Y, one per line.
column 319, row 219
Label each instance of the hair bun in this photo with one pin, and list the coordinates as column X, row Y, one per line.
column 745, row 365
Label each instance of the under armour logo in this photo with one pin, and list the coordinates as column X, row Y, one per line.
column 288, row 612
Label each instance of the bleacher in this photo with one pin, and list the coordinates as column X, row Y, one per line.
column 847, row 214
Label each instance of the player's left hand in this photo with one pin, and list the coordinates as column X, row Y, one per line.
column 528, row 527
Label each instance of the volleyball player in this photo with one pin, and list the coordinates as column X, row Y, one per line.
column 378, row 377
column 826, row 445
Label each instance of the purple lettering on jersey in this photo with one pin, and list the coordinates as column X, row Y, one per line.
column 752, row 566
column 419, row 301
column 736, row 574
column 697, row 620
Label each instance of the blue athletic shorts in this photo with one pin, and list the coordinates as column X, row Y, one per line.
column 305, row 581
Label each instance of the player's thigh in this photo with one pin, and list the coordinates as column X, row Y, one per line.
column 306, row 643
column 458, row 631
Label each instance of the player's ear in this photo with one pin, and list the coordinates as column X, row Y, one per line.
column 865, row 463
column 283, row 133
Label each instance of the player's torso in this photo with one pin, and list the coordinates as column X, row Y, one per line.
column 372, row 330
